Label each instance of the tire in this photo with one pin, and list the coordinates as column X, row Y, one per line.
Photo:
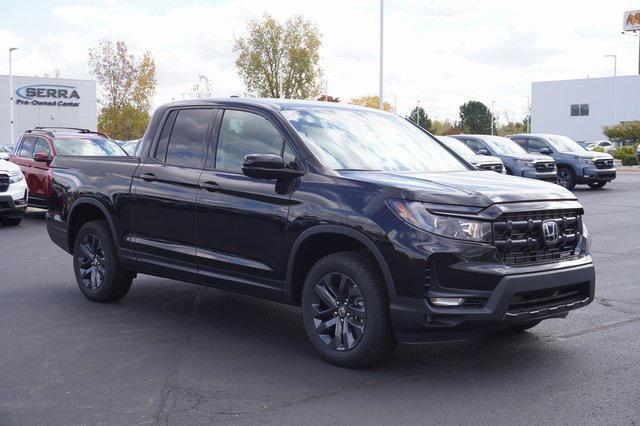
column 596, row 185
column 99, row 274
column 368, row 337
column 566, row 178
column 10, row 221
column 521, row 328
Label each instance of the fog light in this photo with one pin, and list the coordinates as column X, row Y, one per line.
column 447, row 301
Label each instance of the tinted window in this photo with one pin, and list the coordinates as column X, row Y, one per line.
column 243, row 133
column 26, row 149
column 364, row 139
column 88, row 147
column 163, row 140
column 584, row 109
column 535, row 145
column 42, row 146
column 475, row 145
column 188, row 137
column 575, row 110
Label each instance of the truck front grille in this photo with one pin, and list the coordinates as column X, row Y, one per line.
column 497, row 167
column 545, row 166
column 604, row 164
column 520, row 240
column 4, row 183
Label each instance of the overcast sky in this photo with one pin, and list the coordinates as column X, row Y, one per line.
column 440, row 52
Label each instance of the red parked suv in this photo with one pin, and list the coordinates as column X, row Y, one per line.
column 37, row 148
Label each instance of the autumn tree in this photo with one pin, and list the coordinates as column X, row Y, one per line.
column 445, row 127
column 419, row 116
column 202, row 88
column 371, row 102
column 278, row 60
column 476, row 118
column 127, row 85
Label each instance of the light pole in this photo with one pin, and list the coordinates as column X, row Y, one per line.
column 11, row 49
column 493, row 105
column 615, row 73
column 381, row 52
column 528, row 117
column 634, row 34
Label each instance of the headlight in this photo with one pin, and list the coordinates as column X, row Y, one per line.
column 15, row 177
column 416, row 214
column 525, row 163
column 585, row 161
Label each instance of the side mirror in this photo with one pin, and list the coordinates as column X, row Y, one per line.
column 267, row 166
column 483, row 151
column 545, row 150
column 41, row 157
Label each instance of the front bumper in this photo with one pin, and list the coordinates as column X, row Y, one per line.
column 592, row 174
column 416, row 321
column 13, row 202
column 551, row 176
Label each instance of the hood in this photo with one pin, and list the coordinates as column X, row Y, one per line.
column 530, row 156
column 8, row 167
column 589, row 154
column 484, row 159
column 472, row 188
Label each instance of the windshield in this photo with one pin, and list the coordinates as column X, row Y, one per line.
column 458, row 146
column 564, row 144
column 503, row 146
column 344, row 139
column 88, row 147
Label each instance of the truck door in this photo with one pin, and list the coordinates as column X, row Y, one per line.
column 164, row 191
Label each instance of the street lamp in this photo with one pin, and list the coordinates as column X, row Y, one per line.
column 11, row 49
column 615, row 72
column 528, row 117
column 634, row 34
column 381, row 52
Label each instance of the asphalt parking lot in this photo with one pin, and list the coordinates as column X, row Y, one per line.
column 173, row 353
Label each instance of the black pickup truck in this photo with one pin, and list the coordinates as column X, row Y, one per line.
column 376, row 229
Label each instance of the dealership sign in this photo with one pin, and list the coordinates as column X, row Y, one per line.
column 631, row 20
column 48, row 95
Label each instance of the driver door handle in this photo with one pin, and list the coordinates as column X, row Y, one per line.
column 210, row 186
column 149, row 177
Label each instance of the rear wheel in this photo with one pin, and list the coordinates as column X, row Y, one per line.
column 99, row 274
column 596, row 185
column 10, row 221
column 566, row 178
column 345, row 309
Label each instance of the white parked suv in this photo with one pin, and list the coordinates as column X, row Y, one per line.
column 14, row 194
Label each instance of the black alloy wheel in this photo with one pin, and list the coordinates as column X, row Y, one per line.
column 339, row 312
column 597, row 185
column 566, row 179
column 91, row 261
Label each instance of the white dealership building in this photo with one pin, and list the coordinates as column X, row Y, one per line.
column 42, row 101
column 579, row 108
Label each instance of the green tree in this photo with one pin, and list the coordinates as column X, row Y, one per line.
column 444, row 128
column 371, row 102
column 127, row 86
column 419, row 115
column 475, row 118
column 626, row 133
column 280, row 60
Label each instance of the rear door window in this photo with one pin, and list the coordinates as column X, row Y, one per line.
column 26, row 149
column 163, row 141
column 475, row 145
column 535, row 145
column 188, row 137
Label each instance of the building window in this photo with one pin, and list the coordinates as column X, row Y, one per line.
column 579, row 109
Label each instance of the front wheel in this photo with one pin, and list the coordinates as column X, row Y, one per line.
column 99, row 274
column 566, row 178
column 596, row 185
column 345, row 310
column 10, row 221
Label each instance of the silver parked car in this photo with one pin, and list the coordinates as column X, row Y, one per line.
column 483, row 162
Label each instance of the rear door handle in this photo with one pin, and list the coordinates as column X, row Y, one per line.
column 149, row 177
column 210, row 186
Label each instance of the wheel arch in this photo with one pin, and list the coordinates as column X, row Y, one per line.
column 297, row 268
column 83, row 210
